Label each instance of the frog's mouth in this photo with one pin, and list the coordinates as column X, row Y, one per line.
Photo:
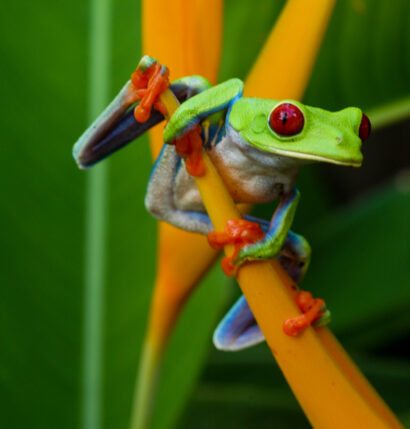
column 116, row 126
column 317, row 158
column 289, row 157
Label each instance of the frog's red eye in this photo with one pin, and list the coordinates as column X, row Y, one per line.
column 287, row 119
column 364, row 128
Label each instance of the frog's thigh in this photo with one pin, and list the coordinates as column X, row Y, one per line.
column 160, row 201
column 238, row 329
column 186, row 192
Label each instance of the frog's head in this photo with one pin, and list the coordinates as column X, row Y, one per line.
column 289, row 128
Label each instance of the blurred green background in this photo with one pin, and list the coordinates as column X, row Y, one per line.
column 357, row 222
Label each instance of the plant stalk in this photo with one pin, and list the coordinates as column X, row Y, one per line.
column 96, row 210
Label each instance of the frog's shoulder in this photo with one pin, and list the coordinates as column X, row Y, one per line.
column 202, row 105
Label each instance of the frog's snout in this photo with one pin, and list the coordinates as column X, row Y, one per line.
column 365, row 128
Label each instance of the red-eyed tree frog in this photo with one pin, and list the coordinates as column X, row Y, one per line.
column 257, row 145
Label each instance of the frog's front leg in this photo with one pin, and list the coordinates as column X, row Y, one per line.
column 165, row 187
column 279, row 227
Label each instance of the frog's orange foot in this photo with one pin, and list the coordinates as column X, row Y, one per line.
column 188, row 147
column 313, row 309
column 149, row 83
column 239, row 232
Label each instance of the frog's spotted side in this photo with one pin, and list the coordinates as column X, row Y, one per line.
column 257, row 146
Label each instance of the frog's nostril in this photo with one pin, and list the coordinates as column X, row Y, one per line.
column 365, row 128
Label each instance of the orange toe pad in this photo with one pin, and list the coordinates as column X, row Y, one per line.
column 312, row 309
column 149, row 85
column 239, row 232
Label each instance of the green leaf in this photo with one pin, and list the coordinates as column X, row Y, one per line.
column 42, row 213
column 362, row 252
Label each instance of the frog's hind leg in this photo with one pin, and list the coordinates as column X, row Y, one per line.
column 160, row 196
column 238, row 329
column 163, row 199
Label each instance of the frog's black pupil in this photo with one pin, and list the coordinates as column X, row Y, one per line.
column 285, row 118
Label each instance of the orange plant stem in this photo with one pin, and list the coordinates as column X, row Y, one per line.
column 325, row 392
column 346, row 364
column 285, row 63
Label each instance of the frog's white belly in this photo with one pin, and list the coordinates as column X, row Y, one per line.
column 251, row 175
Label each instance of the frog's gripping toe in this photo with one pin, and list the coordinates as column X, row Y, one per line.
column 314, row 312
column 239, row 232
